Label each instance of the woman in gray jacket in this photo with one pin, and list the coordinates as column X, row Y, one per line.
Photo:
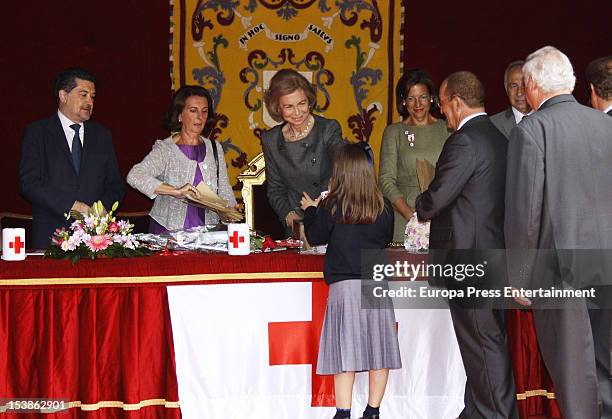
column 177, row 163
column 299, row 152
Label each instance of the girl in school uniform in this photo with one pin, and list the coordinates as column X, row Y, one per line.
column 354, row 216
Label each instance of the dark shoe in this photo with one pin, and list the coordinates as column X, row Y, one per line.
column 371, row 417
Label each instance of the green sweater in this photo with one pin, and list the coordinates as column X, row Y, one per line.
column 397, row 173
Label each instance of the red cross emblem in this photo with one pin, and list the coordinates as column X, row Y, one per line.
column 235, row 239
column 297, row 343
column 17, row 245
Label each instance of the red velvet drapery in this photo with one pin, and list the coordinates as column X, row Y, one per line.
column 93, row 341
column 93, row 346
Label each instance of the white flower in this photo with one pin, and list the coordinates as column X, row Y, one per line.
column 80, row 236
column 73, row 242
column 416, row 234
column 76, row 225
column 124, row 226
column 126, row 240
column 65, row 245
column 89, row 222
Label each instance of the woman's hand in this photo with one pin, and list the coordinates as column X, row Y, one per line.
column 307, row 201
column 403, row 208
column 185, row 190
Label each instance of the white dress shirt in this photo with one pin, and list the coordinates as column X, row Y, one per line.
column 518, row 115
column 69, row 132
column 467, row 118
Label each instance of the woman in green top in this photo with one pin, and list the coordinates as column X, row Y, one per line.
column 419, row 136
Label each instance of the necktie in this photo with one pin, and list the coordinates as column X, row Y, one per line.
column 77, row 147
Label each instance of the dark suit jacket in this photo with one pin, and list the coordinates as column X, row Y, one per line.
column 465, row 200
column 610, row 112
column 504, row 121
column 558, row 189
column 465, row 203
column 49, row 181
column 300, row 166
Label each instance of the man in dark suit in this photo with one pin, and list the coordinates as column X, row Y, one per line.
column 599, row 83
column 68, row 162
column 559, row 202
column 465, row 203
column 515, row 89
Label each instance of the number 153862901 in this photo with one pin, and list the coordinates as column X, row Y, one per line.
column 29, row 405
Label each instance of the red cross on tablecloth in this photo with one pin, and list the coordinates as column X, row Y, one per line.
column 17, row 244
column 297, row 343
column 236, row 238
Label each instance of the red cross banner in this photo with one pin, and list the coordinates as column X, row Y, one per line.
column 255, row 356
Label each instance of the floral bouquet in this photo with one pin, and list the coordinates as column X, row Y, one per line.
column 95, row 234
column 416, row 235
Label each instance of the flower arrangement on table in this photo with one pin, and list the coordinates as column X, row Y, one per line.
column 94, row 235
column 416, row 235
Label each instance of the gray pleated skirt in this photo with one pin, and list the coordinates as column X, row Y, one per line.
column 356, row 339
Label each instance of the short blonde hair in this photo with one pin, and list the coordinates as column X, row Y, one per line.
column 285, row 82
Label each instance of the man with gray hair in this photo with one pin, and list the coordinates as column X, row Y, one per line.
column 558, row 200
column 519, row 107
column 599, row 83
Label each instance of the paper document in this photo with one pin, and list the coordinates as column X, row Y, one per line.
column 210, row 200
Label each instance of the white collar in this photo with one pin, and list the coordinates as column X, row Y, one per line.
column 66, row 122
column 518, row 115
column 69, row 133
column 608, row 109
column 468, row 118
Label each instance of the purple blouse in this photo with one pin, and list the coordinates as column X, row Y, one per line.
column 195, row 215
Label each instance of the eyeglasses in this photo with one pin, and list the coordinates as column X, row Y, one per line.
column 422, row 99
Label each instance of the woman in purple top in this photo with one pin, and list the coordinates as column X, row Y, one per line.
column 176, row 165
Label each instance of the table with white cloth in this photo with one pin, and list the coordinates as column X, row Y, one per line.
column 199, row 335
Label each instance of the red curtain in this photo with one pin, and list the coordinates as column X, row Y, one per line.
column 97, row 342
column 530, row 373
column 89, row 345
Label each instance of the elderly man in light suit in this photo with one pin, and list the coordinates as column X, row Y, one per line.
column 558, row 199
column 519, row 107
